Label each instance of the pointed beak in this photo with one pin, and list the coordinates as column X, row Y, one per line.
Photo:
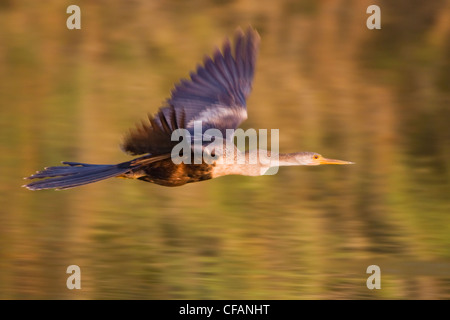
column 333, row 161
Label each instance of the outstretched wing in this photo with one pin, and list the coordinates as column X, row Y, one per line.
column 215, row 94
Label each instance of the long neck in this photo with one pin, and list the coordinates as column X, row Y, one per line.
column 267, row 159
column 256, row 163
column 286, row 159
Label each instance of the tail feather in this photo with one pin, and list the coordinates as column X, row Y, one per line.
column 75, row 174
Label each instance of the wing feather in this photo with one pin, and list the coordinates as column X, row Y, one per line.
column 215, row 94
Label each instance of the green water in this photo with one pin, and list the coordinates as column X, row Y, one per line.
column 376, row 97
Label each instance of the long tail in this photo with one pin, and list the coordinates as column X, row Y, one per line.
column 75, row 174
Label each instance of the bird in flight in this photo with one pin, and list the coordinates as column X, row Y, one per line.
column 215, row 95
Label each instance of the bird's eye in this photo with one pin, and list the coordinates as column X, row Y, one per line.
column 316, row 156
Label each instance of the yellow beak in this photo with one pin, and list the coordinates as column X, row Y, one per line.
column 333, row 161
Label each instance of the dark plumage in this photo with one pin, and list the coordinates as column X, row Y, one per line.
column 215, row 94
column 166, row 173
column 219, row 86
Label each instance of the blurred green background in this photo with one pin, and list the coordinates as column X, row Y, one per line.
column 377, row 97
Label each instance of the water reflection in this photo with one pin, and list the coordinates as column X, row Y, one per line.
column 374, row 97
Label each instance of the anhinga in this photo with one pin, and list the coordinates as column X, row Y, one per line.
column 215, row 95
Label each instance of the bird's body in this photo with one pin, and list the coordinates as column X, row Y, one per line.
column 215, row 96
column 167, row 173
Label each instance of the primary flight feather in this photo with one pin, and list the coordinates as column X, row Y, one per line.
column 215, row 96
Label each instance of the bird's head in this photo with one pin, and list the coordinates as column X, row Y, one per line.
column 315, row 159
